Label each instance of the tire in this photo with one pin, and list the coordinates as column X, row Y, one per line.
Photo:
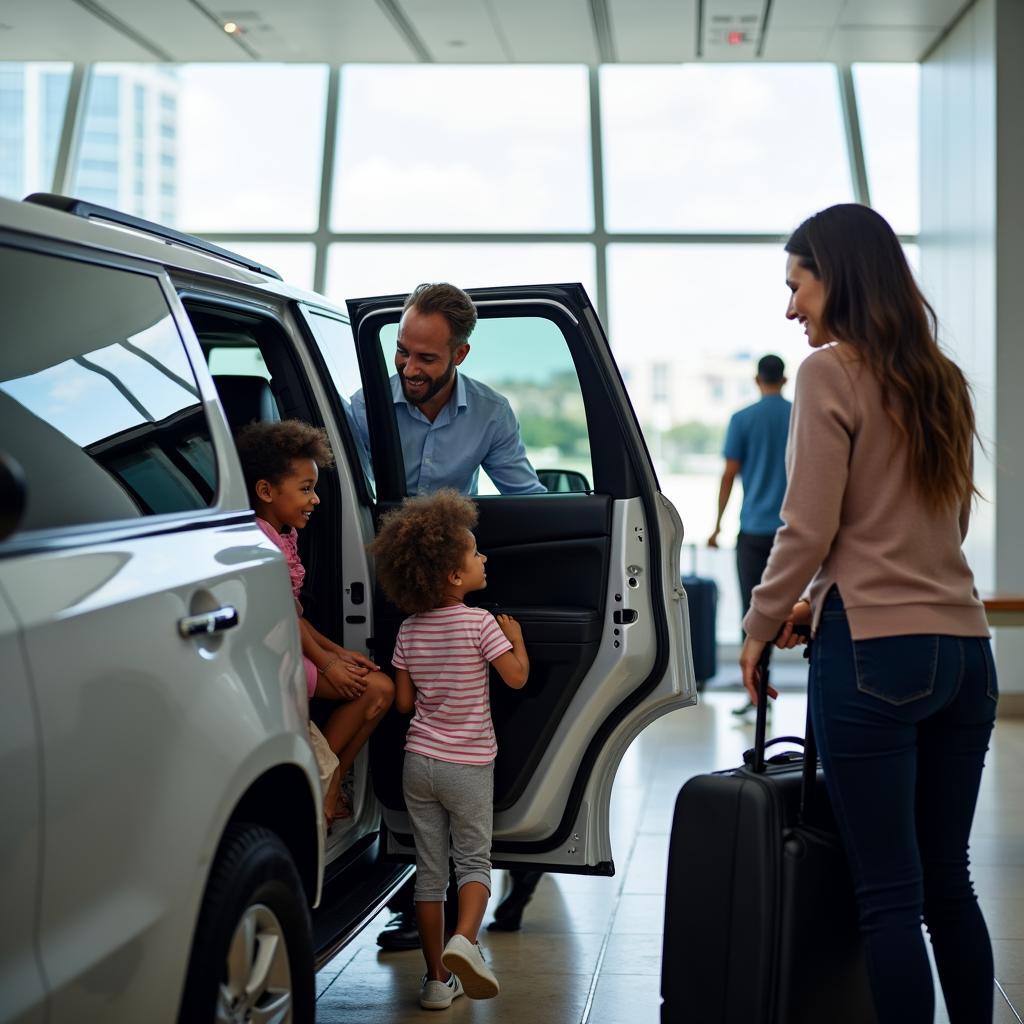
column 254, row 904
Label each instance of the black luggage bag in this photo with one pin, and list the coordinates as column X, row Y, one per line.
column 760, row 915
column 702, row 607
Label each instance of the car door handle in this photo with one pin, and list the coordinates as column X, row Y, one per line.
column 208, row 622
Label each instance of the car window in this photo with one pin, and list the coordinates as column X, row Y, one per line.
column 525, row 360
column 334, row 338
column 242, row 360
column 98, row 401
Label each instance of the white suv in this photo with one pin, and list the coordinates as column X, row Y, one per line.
column 159, row 845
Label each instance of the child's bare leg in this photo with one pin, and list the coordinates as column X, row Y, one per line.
column 375, row 705
column 331, row 797
column 352, row 723
column 350, row 726
column 430, row 921
column 473, row 897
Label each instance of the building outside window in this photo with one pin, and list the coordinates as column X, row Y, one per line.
column 32, row 102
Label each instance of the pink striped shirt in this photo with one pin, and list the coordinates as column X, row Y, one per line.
column 446, row 651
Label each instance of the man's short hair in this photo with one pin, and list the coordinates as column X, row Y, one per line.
column 451, row 302
column 771, row 369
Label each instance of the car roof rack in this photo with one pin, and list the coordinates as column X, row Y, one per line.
column 81, row 208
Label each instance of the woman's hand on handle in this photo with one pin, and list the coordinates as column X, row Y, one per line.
column 799, row 616
column 749, row 658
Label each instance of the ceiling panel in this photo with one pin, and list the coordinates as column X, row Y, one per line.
column 317, row 30
column 796, row 44
column 457, row 31
column 559, row 31
column 470, row 31
column 61, row 30
column 731, row 29
column 179, row 28
column 880, row 44
column 653, row 31
column 918, row 13
column 804, row 14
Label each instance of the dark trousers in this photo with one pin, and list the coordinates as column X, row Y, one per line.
column 902, row 725
column 752, row 551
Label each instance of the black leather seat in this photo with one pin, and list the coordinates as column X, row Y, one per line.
column 245, row 399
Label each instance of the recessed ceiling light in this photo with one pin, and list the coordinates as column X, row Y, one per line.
column 230, row 27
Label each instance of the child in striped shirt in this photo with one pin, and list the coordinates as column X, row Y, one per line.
column 427, row 562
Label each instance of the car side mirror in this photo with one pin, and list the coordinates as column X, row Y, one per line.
column 13, row 494
column 564, row 481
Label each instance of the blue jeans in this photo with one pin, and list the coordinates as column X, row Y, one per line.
column 902, row 725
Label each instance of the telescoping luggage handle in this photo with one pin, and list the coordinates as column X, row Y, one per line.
column 810, row 756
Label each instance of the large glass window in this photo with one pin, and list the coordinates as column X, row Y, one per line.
column 207, row 147
column 721, row 148
column 463, row 149
column 688, row 324
column 888, row 101
column 294, row 261
column 98, row 401
column 32, row 102
column 357, row 269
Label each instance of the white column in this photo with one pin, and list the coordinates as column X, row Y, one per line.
column 972, row 249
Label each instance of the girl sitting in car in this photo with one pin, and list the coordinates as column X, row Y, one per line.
column 282, row 462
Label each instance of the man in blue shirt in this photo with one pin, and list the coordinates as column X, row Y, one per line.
column 449, row 424
column 755, row 449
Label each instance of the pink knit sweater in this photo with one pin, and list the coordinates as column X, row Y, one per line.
column 851, row 518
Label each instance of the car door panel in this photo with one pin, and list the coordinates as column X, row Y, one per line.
column 130, row 922
column 590, row 576
column 560, row 559
column 22, row 988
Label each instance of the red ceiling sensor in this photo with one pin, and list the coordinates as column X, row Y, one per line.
column 735, row 38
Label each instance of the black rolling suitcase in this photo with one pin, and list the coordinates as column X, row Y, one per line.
column 702, row 607
column 760, row 917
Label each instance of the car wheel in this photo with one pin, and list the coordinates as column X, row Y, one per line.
column 252, row 955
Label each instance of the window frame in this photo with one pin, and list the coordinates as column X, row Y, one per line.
column 24, row 541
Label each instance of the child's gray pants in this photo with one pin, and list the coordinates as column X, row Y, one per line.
column 445, row 798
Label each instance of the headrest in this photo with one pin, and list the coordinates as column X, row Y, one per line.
column 245, row 399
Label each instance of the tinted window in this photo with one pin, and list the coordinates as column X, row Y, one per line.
column 339, row 351
column 98, row 401
column 525, row 360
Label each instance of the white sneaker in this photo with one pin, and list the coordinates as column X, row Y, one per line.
column 438, row 995
column 466, row 959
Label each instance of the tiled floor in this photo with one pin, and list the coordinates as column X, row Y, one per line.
column 590, row 948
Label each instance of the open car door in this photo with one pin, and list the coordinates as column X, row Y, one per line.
column 592, row 575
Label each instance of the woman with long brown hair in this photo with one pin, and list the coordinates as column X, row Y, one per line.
column 902, row 685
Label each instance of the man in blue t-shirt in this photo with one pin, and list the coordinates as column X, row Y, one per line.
column 755, row 449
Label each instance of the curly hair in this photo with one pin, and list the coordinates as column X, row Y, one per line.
column 267, row 450
column 419, row 544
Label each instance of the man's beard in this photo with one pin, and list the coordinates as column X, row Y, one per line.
column 433, row 388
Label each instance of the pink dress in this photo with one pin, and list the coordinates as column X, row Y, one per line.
column 289, row 545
